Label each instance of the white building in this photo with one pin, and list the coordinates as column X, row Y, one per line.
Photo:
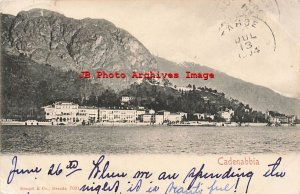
column 126, row 99
column 171, row 117
column 275, row 117
column 159, row 119
column 183, row 114
column 200, row 115
column 227, row 115
column 185, row 89
column 164, row 113
column 174, row 118
column 148, row 118
column 117, row 115
column 204, row 116
column 87, row 113
column 69, row 112
column 139, row 114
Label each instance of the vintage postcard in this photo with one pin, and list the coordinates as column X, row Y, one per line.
column 141, row 96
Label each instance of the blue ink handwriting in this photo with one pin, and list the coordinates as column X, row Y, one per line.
column 17, row 171
column 272, row 172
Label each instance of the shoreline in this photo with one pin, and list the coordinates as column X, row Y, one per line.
column 116, row 124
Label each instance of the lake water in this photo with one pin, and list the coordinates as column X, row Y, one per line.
column 149, row 139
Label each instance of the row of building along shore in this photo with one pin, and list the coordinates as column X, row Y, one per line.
column 69, row 113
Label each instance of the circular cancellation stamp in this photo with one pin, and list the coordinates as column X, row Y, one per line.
column 245, row 23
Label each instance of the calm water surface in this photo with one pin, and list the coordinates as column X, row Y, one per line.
column 149, row 139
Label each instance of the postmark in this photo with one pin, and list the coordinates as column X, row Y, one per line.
column 246, row 26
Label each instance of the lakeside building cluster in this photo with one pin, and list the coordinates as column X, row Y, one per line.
column 276, row 118
column 69, row 112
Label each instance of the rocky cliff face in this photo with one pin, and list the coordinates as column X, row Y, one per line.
column 48, row 37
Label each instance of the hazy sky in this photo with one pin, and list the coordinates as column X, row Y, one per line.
column 190, row 31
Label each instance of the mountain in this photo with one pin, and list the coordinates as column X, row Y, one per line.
column 258, row 97
column 26, row 83
column 47, row 37
column 40, row 40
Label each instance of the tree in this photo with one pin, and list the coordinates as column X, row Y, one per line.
column 166, row 82
column 194, row 87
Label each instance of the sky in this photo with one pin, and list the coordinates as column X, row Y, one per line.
column 191, row 31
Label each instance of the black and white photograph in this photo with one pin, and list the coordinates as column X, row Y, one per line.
column 130, row 77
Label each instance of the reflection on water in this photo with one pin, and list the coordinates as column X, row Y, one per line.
column 160, row 140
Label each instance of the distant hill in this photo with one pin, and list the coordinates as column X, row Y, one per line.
column 258, row 97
